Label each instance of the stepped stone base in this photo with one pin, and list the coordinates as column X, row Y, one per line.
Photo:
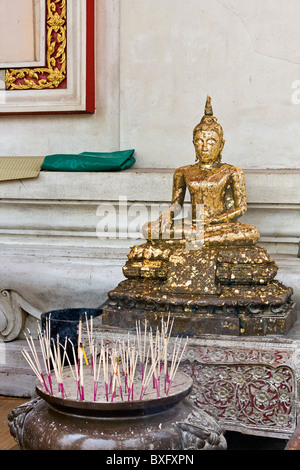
column 229, row 313
column 226, row 290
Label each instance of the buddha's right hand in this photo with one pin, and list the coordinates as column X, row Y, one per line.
column 155, row 229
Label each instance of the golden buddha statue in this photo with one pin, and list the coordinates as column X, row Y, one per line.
column 217, row 189
column 205, row 269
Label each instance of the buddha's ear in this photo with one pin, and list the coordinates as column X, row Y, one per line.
column 222, row 146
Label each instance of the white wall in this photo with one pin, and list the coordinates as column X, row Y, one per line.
column 244, row 53
column 156, row 60
column 43, row 135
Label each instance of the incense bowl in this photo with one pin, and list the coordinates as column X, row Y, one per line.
column 171, row 422
column 64, row 322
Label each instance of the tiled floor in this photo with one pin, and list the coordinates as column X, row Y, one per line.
column 7, row 404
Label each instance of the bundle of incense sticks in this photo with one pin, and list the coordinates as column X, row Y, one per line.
column 120, row 370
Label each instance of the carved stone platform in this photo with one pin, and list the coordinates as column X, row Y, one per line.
column 249, row 384
column 224, row 290
column 229, row 317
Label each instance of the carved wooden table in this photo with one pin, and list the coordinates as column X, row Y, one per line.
column 250, row 384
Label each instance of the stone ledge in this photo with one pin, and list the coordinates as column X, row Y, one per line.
column 263, row 186
column 63, row 206
column 16, row 377
column 17, row 383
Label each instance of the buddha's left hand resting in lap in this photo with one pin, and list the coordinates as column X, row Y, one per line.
column 218, row 189
column 205, row 269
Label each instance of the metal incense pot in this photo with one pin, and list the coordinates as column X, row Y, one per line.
column 125, row 396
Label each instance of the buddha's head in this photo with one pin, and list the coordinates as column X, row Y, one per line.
column 208, row 138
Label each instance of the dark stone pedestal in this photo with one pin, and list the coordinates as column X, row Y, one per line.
column 210, row 315
column 226, row 290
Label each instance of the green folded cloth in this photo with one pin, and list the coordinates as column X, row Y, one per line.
column 90, row 161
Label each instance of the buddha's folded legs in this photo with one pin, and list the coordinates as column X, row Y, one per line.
column 236, row 233
column 219, row 234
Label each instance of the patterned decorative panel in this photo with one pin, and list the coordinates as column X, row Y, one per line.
column 255, row 396
column 54, row 74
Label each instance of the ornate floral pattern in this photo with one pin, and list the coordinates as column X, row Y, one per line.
column 248, row 355
column 54, row 73
column 256, row 396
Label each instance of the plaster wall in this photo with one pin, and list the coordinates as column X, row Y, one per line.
column 156, row 60
column 244, row 54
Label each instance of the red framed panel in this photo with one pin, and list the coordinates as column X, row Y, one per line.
column 68, row 61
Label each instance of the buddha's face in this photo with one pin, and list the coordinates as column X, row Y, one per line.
column 208, row 146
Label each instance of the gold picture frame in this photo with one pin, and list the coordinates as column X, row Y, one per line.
column 64, row 80
column 54, row 73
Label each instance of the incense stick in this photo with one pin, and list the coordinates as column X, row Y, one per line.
column 116, row 366
column 90, row 340
column 32, row 348
column 175, row 367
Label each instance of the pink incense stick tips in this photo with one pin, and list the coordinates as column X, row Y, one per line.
column 44, row 382
column 158, row 387
column 50, row 384
column 95, row 390
column 133, row 364
column 92, row 364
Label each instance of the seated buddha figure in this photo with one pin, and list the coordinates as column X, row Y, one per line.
column 217, row 193
column 204, row 268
